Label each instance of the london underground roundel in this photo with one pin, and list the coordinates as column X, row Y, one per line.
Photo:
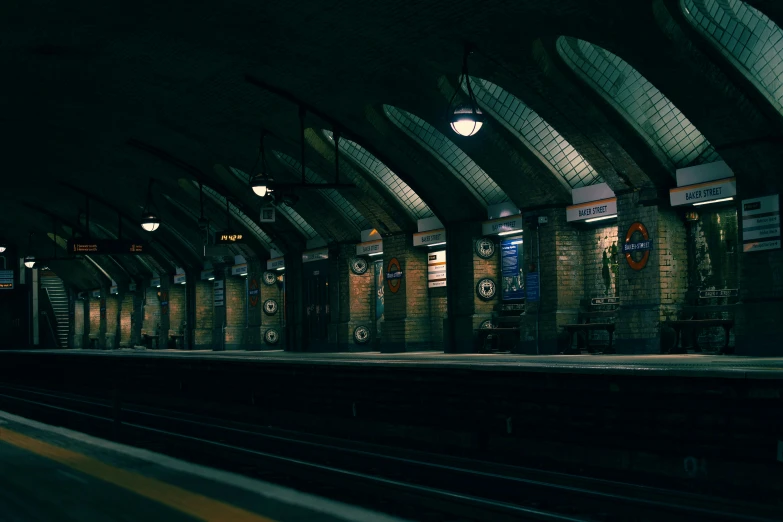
column 637, row 246
column 253, row 292
column 394, row 275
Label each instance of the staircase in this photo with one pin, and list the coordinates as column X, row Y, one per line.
column 58, row 295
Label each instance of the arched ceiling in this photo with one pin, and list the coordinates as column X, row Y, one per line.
column 104, row 99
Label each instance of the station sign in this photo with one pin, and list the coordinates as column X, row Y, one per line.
column 430, row 237
column 228, row 238
column 369, row 247
column 240, row 269
column 95, row 293
column 155, row 282
column 131, row 287
column 603, row 301
column 315, row 255
column 436, row 269
column 106, row 246
column 179, row 279
column 505, row 224
column 394, row 275
column 703, row 192
column 275, row 263
column 113, row 290
column 761, row 224
column 206, row 275
column 218, row 293
column 6, row 279
column 592, row 210
column 726, row 292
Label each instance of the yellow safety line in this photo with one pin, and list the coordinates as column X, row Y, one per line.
column 193, row 504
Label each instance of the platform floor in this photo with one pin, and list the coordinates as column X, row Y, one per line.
column 695, row 365
column 54, row 474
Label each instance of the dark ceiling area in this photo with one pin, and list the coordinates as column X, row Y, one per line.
column 100, row 99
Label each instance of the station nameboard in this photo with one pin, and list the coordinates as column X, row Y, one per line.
column 504, row 224
column 275, row 263
column 761, row 224
column 703, row 192
column 726, row 292
column 228, row 238
column 429, row 238
column 592, row 210
column 369, row 247
column 106, row 246
column 315, row 255
column 6, row 279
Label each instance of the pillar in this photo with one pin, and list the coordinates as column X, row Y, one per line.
column 294, row 301
column 352, row 301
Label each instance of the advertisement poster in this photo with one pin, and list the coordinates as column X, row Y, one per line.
column 378, row 290
column 511, row 270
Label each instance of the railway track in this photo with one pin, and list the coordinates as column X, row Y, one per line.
column 405, row 483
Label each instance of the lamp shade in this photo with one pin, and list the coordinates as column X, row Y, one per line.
column 3, row 247
column 150, row 222
column 29, row 261
column 467, row 120
column 261, row 185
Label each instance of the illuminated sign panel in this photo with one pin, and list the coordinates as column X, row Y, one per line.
column 227, row 238
column 505, row 224
column 429, row 238
column 105, row 246
column 6, row 279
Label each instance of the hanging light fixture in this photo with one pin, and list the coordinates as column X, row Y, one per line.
column 3, row 247
column 466, row 118
column 149, row 219
column 29, row 260
column 261, row 183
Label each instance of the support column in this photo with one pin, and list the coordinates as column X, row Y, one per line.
column 253, row 283
column 553, row 249
column 406, row 311
column 656, row 292
column 274, row 322
column 294, row 300
column 464, row 270
column 219, row 312
column 352, row 301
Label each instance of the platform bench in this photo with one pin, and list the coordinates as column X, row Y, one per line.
column 493, row 340
column 573, row 329
column 177, row 339
column 147, row 339
column 695, row 325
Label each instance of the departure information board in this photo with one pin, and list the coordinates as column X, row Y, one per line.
column 106, row 246
column 6, row 279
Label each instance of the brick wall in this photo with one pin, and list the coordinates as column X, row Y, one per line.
column 126, row 311
column 112, row 320
column 671, row 245
column 78, row 323
column 95, row 316
column 598, row 265
column 151, row 311
column 236, row 297
column 202, row 330
column 177, row 306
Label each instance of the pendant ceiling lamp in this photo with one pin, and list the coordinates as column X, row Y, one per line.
column 261, row 183
column 29, row 260
column 3, row 246
column 149, row 218
column 466, row 119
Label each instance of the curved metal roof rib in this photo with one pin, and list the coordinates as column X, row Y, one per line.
column 445, row 151
column 657, row 119
column 535, row 133
column 416, row 206
column 747, row 37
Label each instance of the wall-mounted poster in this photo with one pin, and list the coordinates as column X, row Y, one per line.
column 513, row 278
column 378, row 289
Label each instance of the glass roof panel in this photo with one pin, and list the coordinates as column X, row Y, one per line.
column 373, row 166
column 644, row 106
column 342, row 205
column 749, row 38
column 534, row 132
column 293, row 216
column 464, row 168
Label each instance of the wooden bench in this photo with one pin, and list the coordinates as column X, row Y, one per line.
column 604, row 313
column 692, row 319
column 147, row 339
column 178, row 339
column 587, row 327
column 93, row 339
column 503, row 337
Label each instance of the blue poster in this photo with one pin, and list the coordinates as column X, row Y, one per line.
column 511, row 271
column 378, row 290
column 532, row 287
